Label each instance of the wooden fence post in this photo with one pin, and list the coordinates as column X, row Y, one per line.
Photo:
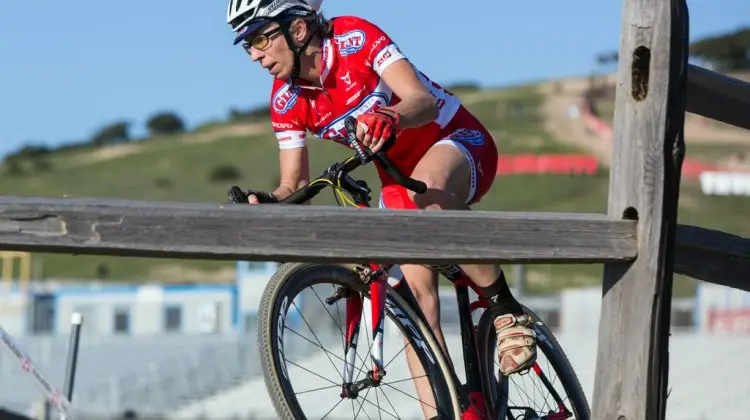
column 632, row 359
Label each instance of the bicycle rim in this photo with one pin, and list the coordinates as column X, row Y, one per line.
column 277, row 305
column 552, row 383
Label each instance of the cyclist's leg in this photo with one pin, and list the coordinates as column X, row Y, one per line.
column 458, row 171
column 423, row 284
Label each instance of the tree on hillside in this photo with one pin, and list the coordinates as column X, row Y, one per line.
column 725, row 52
column 165, row 123
column 30, row 150
column 607, row 58
column 115, row 133
column 29, row 158
column 253, row 114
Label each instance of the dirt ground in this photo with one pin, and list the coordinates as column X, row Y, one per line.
column 563, row 119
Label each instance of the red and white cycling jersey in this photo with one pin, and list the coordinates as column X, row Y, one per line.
column 352, row 62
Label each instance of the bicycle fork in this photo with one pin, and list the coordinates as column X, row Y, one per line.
column 377, row 277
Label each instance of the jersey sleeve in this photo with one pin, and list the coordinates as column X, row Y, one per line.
column 285, row 117
column 381, row 50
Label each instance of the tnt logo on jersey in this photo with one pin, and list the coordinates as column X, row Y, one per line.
column 469, row 136
column 337, row 129
column 285, row 98
column 350, row 42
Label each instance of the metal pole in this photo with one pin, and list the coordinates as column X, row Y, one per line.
column 70, row 369
column 520, row 272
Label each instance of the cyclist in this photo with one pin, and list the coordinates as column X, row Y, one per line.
column 325, row 70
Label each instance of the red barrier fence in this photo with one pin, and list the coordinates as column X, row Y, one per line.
column 547, row 164
column 732, row 321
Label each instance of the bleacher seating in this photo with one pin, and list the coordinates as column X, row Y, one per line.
column 153, row 374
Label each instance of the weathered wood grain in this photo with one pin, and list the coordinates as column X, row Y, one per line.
column 632, row 357
column 718, row 96
column 308, row 233
column 713, row 256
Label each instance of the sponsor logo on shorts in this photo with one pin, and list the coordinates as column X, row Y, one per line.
column 468, row 136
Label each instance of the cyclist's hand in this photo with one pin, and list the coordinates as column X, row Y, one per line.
column 375, row 128
column 236, row 195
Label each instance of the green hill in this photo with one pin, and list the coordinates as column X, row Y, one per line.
column 200, row 166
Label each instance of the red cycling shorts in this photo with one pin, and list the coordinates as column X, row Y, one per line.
column 468, row 135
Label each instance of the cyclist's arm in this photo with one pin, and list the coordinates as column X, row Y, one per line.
column 418, row 106
column 287, row 116
column 294, row 171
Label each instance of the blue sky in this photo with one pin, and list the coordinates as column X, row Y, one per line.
column 67, row 68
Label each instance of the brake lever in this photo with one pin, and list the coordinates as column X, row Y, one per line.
column 363, row 154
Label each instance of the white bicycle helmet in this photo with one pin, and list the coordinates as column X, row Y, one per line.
column 246, row 16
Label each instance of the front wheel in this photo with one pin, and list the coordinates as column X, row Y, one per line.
column 549, row 390
column 332, row 293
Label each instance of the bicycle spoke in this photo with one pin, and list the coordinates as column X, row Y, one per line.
column 389, row 401
column 316, row 338
column 414, row 398
column 325, row 307
column 378, row 406
column 333, row 408
column 399, row 352
column 338, row 315
column 524, row 391
column 316, row 345
column 363, row 403
column 309, row 371
column 377, row 400
column 407, row 379
column 341, row 330
column 317, row 389
column 368, row 416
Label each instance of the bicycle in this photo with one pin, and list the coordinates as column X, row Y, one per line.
column 480, row 397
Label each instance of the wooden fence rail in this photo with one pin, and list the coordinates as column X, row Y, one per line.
column 267, row 232
column 638, row 240
column 719, row 97
column 713, row 256
column 309, row 233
